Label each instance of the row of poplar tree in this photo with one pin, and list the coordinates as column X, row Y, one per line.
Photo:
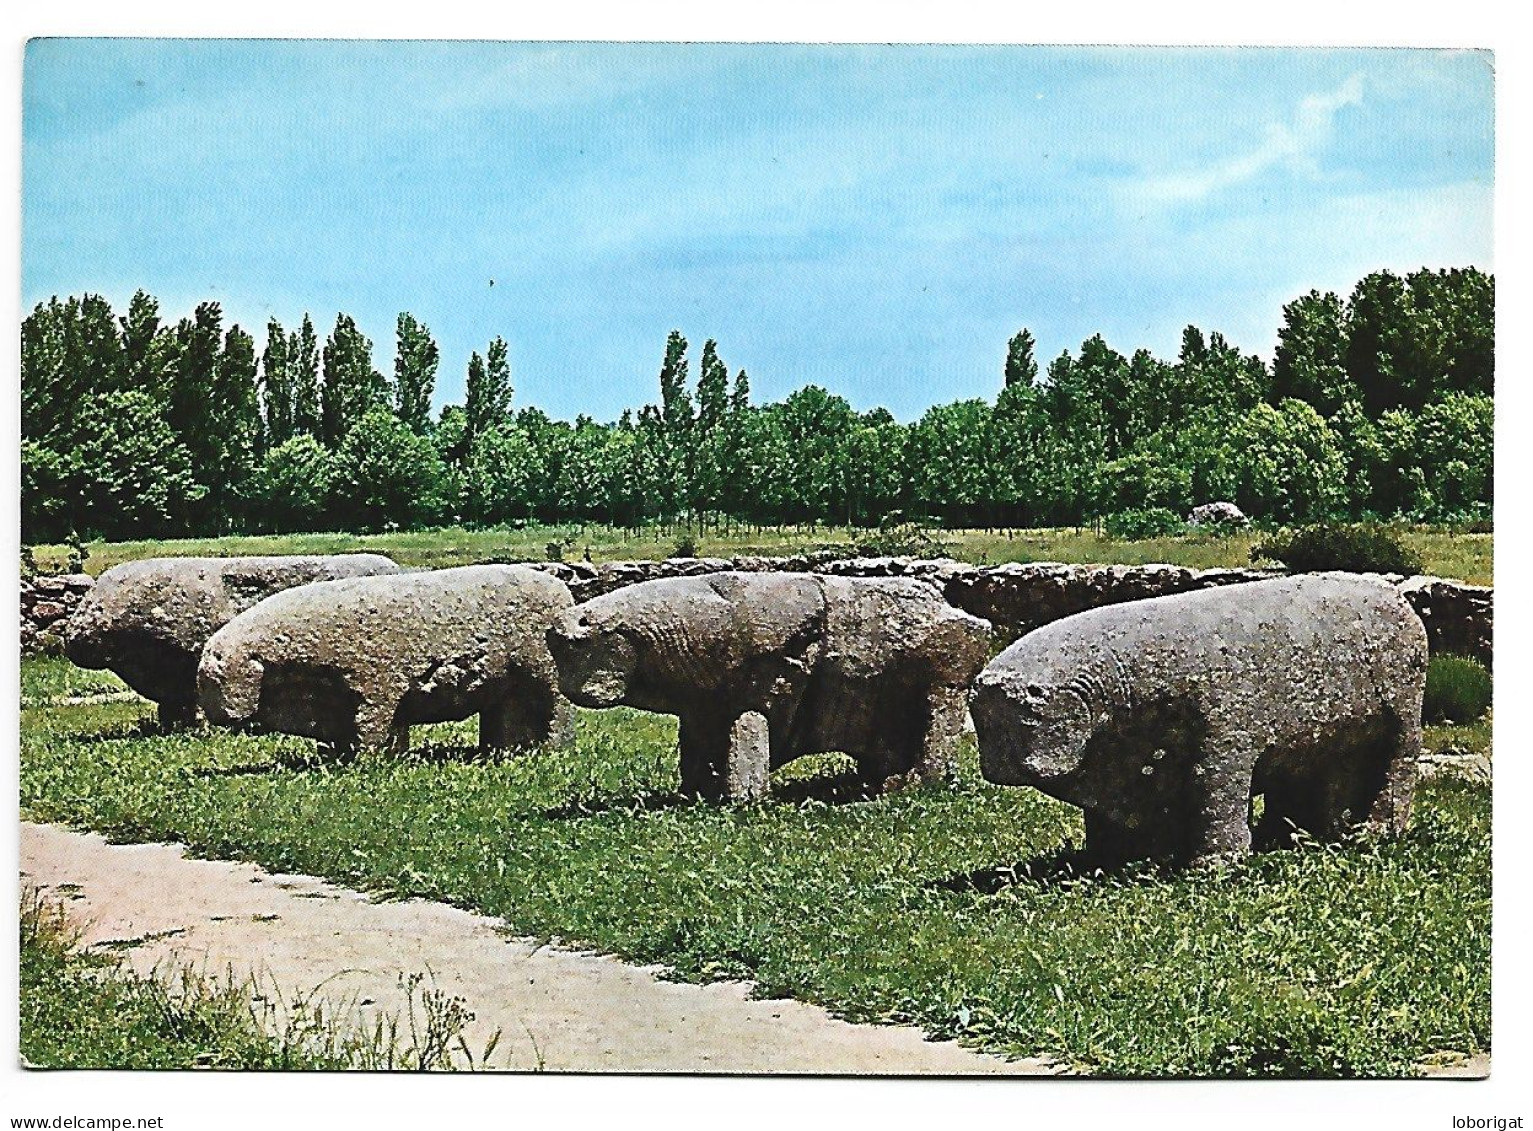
column 1379, row 403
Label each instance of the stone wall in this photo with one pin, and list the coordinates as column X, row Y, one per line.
column 46, row 600
column 1016, row 598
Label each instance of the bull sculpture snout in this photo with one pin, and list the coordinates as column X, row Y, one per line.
column 1029, row 734
column 594, row 665
column 229, row 688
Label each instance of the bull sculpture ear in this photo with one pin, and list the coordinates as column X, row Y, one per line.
column 1059, row 743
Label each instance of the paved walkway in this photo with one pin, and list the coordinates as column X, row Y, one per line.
column 556, row 1010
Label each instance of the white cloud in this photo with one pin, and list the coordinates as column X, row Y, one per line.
column 1292, row 144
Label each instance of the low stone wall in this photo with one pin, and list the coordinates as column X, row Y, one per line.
column 46, row 601
column 1016, row 598
column 1019, row 597
column 1458, row 617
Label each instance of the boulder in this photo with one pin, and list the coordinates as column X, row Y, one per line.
column 762, row 667
column 1164, row 718
column 46, row 611
column 1217, row 514
column 148, row 620
column 355, row 662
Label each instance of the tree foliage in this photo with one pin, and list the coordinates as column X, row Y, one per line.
column 1378, row 404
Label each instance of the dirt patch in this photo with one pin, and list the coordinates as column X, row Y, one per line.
column 556, row 1010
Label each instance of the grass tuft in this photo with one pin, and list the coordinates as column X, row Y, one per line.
column 1458, row 690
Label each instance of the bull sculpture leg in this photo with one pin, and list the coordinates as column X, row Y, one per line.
column 177, row 714
column 1224, row 815
column 373, row 728
column 1388, row 810
column 917, row 741
column 1327, row 797
column 1156, row 825
column 526, row 721
column 725, row 758
column 938, row 756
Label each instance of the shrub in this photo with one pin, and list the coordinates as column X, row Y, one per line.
column 78, row 554
column 900, row 536
column 686, row 546
column 1470, row 520
column 1136, row 525
column 1355, row 548
column 1458, row 690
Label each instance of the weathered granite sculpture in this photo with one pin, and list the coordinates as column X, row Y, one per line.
column 1163, row 718
column 765, row 667
column 354, row 663
column 148, row 620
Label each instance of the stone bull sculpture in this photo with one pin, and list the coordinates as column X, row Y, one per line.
column 764, row 667
column 148, row 620
column 354, row 663
column 1163, row 718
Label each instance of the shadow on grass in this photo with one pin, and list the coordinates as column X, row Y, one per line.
column 1061, row 867
column 828, row 789
column 244, row 769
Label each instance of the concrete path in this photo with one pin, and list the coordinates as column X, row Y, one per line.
column 556, row 1010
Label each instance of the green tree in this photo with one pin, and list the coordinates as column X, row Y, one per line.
column 1021, row 366
column 1376, row 330
column 675, row 419
column 503, row 469
column 1362, row 453
column 584, row 480
column 69, row 351
column 135, row 476
column 145, row 347
column 1310, row 363
column 47, row 390
column 292, row 487
column 49, row 492
column 739, row 474
column 487, row 395
column 303, row 356
column 387, row 476
column 235, row 416
column 194, row 382
column 351, row 386
column 1291, row 467
column 415, row 365
column 192, row 392
column 815, row 426
column 277, row 384
column 875, row 467
column 1454, row 445
column 1153, row 474
column 710, row 434
column 946, row 454
column 1072, row 451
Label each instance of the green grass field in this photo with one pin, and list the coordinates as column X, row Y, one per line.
column 1466, row 557
column 946, row 907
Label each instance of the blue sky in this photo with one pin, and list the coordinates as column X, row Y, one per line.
column 877, row 220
